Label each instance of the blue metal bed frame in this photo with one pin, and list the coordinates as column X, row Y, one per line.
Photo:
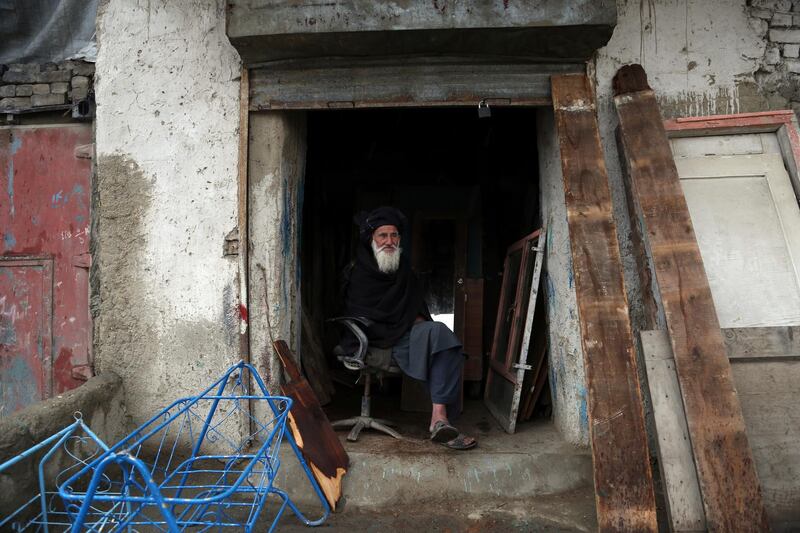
column 204, row 462
column 43, row 511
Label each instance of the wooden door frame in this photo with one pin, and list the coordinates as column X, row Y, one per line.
column 783, row 123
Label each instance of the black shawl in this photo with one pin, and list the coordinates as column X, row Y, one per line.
column 392, row 301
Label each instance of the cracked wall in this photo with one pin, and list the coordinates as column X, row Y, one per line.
column 701, row 58
column 167, row 87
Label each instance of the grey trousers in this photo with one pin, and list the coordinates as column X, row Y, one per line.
column 430, row 352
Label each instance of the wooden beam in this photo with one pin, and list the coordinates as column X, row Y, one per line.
column 622, row 477
column 333, row 84
column 726, row 472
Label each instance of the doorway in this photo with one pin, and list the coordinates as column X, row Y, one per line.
column 469, row 187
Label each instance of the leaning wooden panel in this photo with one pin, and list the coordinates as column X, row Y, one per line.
column 622, row 477
column 678, row 476
column 728, row 480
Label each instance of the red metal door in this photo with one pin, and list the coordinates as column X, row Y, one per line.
column 44, row 266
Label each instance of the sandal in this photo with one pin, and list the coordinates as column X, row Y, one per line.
column 459, row 443
column 443, row 432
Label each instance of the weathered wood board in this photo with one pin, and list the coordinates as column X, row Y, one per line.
column 312, row 430
column 768, row 384
column 622, row 477
column 727, row 476
column 682, row 493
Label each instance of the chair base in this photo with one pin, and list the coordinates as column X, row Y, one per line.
column 365, row 422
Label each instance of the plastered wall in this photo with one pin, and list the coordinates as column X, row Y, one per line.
column 167, row 83
column 164, row 296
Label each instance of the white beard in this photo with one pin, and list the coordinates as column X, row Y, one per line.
column 388, row 263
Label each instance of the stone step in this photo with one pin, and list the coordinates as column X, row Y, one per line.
column 385, row 472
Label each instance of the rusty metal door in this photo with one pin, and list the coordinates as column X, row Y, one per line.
column 44, row 266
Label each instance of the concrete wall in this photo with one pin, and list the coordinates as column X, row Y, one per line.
column 277, row 159
column 567, row 377
column 101, row 404
column 164, row 298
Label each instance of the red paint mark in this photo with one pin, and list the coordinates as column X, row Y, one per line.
column 505, row 4
column 62, row 371
column 243, row 312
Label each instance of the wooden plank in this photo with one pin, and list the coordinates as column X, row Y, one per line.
column 682, row 493
column 759, row 343
column 312, row 430
column 473, row 329
column 768, row 389
column 622, row 477
column 731, row 495
column 331, row 85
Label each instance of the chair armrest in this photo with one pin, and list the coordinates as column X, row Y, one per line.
column 352, row 323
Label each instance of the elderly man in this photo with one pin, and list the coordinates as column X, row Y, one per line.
column 381, row 287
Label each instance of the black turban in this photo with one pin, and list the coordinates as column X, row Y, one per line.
column 392, row 300
column 382, row 216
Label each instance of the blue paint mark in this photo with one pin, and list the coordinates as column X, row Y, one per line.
column 9, row 241
column 571, row 277
column 18, row 386
column 301, row 187
column 35, row 220
column 549, row 237
column 11, row 184
column 584, row 416
column 16, row 144
column 77, row 189
column 56, row 199
column 8, row 334
column 286, row 221
column 79, row 219
column 551, row 292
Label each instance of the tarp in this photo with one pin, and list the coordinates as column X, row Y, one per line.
column 40, row 31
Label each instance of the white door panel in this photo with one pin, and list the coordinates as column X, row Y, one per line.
column 747, row 221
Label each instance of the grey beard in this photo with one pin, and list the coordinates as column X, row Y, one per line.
column 387, row 263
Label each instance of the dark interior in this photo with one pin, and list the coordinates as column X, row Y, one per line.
column 468, row 185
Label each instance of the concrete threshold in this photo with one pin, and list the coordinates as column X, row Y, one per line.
column 504, row 472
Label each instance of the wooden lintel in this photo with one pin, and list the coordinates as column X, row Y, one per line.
column 622, row 477
column 728, row 481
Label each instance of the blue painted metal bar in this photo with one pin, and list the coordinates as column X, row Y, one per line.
column 190, row 465
column 48, row 516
